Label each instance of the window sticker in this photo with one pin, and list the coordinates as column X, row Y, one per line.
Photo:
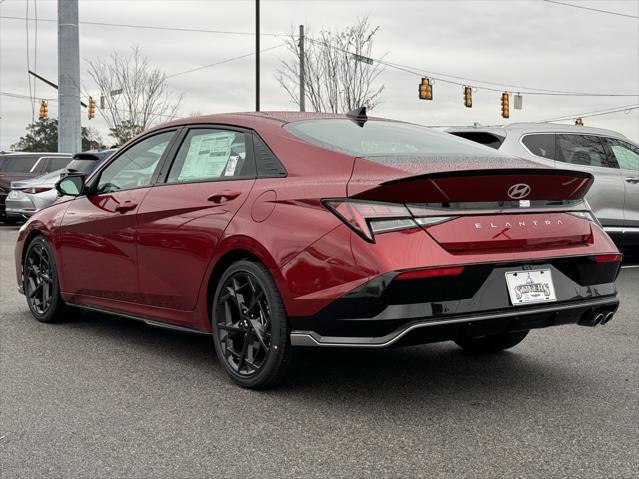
column 231, row 165
column 207, row 156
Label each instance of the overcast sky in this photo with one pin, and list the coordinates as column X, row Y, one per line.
column 527, row 42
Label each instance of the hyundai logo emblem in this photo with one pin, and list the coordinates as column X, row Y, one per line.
column 519, row 191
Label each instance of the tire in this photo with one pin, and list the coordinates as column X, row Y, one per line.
column 250, row 331
column 41, row 283
column 493, row 343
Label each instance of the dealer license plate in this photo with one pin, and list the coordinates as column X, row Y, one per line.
column 530, row 286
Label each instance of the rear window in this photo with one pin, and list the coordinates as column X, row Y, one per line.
column 56, row 164
column 383, row 138
column 481, row 137
column 542, row 144
column 18, row 164
column 83, row 166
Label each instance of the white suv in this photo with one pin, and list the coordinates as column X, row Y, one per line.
column 611, row 158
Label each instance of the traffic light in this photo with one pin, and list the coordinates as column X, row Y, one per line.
column 505, row 110
column 44, row 109
column 579, row 122
column 468, row 97
column 91, row 108
column 425, row 89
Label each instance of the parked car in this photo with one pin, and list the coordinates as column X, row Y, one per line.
column 16, row 166
column 277, row 230
column 30, row 196
column 611, row 157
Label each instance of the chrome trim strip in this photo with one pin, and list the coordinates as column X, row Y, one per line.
column 311, row 338
column 621, row 229
column 149, row 322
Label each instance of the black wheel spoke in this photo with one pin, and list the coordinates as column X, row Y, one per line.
column 242, row 360
column 229, row 327
column 258, row 333
column 36, row 290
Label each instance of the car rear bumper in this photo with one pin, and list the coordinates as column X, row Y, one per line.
column 386, row 311
column 449, row 328
column 20, row 208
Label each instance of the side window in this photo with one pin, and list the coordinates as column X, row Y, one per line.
column 210, row 154
column 541, row 145
column 626, row 154
column 134, row 168
column 19, row 164
column 55, row 164
column 582, row 150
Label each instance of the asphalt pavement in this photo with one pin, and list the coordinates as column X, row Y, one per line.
column 103, row 397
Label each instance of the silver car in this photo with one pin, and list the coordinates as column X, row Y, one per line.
column 30, row 196
column 609, row 156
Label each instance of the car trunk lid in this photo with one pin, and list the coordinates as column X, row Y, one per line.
column 498, row 204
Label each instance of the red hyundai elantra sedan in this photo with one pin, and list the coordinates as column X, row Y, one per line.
column 275, row 230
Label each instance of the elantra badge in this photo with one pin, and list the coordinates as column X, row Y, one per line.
column 519, row 191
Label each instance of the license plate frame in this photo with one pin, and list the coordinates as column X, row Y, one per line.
column 530, row 286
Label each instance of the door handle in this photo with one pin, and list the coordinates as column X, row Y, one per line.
column 126, row 206
column 224, row 196
column 633, row 179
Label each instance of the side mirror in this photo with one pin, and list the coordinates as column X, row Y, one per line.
column 71, row 185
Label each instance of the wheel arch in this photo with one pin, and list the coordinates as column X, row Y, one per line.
column 233, row 251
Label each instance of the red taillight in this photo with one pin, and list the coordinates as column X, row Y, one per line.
column 431, row 273
column 609, row 258
column 34, row 190
column 368, row 218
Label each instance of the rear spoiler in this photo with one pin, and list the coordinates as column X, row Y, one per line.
column 479, row 185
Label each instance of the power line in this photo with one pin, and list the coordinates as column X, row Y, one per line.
column 591, row 9
column 24, row 97
column 588, row 114
column 152, row 27
column 518, row 88
column 223, row 61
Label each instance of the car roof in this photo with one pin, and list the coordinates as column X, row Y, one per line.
column 542, row 127
column 255, row 120
column 32, row 153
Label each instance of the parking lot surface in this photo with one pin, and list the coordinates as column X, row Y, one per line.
column 104, row 397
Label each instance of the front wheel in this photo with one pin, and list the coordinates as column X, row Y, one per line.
column 41, row 284
column 492, row 343
column 250, row 332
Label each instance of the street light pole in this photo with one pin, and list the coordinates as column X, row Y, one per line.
column 69, row 126
column 302, row 90
column 257, row 55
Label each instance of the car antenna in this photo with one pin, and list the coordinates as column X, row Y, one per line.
column 358, row 115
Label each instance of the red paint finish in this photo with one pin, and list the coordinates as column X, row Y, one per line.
column 97, row 247
column 152, row 252
column 179, row 228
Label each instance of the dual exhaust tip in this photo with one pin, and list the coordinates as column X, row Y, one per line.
column 596, row 317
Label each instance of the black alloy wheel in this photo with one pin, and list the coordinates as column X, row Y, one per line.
column 249, row 325
column 41, row 282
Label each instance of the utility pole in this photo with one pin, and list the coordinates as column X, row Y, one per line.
column 302, row 91
column 257, row 55
column 69, row 126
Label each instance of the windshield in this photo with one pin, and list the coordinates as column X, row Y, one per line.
column 382, row 138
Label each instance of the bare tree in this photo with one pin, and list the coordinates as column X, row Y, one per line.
column 134, row 93
column 336, row 80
